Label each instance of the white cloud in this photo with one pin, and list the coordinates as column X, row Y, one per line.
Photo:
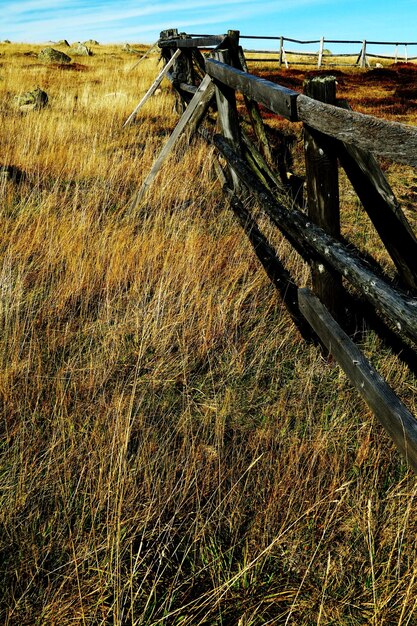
column 54, row 19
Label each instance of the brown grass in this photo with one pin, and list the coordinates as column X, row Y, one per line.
column 171, row 451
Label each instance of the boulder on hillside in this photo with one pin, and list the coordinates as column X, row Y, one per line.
column 80, row 50
column 128, row 48
column 62, row 42
column 50, row 55
column 32, row 100
column 91, row 42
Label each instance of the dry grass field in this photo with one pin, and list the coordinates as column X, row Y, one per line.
column 172, row 452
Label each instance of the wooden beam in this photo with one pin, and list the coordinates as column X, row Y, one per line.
column 392, row 140
column 199, row 61
column 152, row 88
column 188, row 88
column 276, row 98
column 148, row 51
column 397, row 420
column 363, row 59
column 284, row 56
column 281, row 48
column 170, row 33
column 254, row 113
column 320, row 57
column 239, row 62
column 378, row 200
column 227, row 112
column 307, row 238
column 191, row 117
column 274, row 182
column 189, row 42
column 322, row 176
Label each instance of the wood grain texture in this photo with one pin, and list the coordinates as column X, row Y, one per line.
column 276, row 98
column 227, row 112
column 391, row 140
column 253, row 109
column 273, row 181
column 308, row 238
column 397, row 420
column 378, row 200
column 192, row 42
column 191, row 119
column 322, row 177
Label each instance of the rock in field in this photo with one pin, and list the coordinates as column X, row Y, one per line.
column 62, row 42
column 91, row 42
column 32, row 100
column 50, row 55
column 80, row 50
column 128, row 48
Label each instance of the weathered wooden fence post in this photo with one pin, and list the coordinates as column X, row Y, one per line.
column 182, row 71
column 363, row 59
column 227, row 113
column 281, row 46
column 379, row 202
column 238, row 60
column 323, row 192
column 320, row 58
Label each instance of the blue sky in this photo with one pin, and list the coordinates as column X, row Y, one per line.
column 142, row 20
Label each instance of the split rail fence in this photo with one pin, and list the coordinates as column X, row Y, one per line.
column 324, row 57
column 333, row 136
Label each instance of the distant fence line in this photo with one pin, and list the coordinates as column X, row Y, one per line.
column 363, row 55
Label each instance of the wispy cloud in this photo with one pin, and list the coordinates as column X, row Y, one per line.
column 33, row 20
column 50, row 18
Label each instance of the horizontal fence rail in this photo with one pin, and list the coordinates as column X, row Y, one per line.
column 284, row 55
column 362, row 55
column 392, row 140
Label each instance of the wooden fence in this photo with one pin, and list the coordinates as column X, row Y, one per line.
column 333, row 135
column 322, row 56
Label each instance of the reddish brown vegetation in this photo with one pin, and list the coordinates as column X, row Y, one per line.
column 396, row 86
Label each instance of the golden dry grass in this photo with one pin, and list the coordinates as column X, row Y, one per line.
column 172, row 452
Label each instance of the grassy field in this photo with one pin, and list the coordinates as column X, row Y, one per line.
column 172, row 452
